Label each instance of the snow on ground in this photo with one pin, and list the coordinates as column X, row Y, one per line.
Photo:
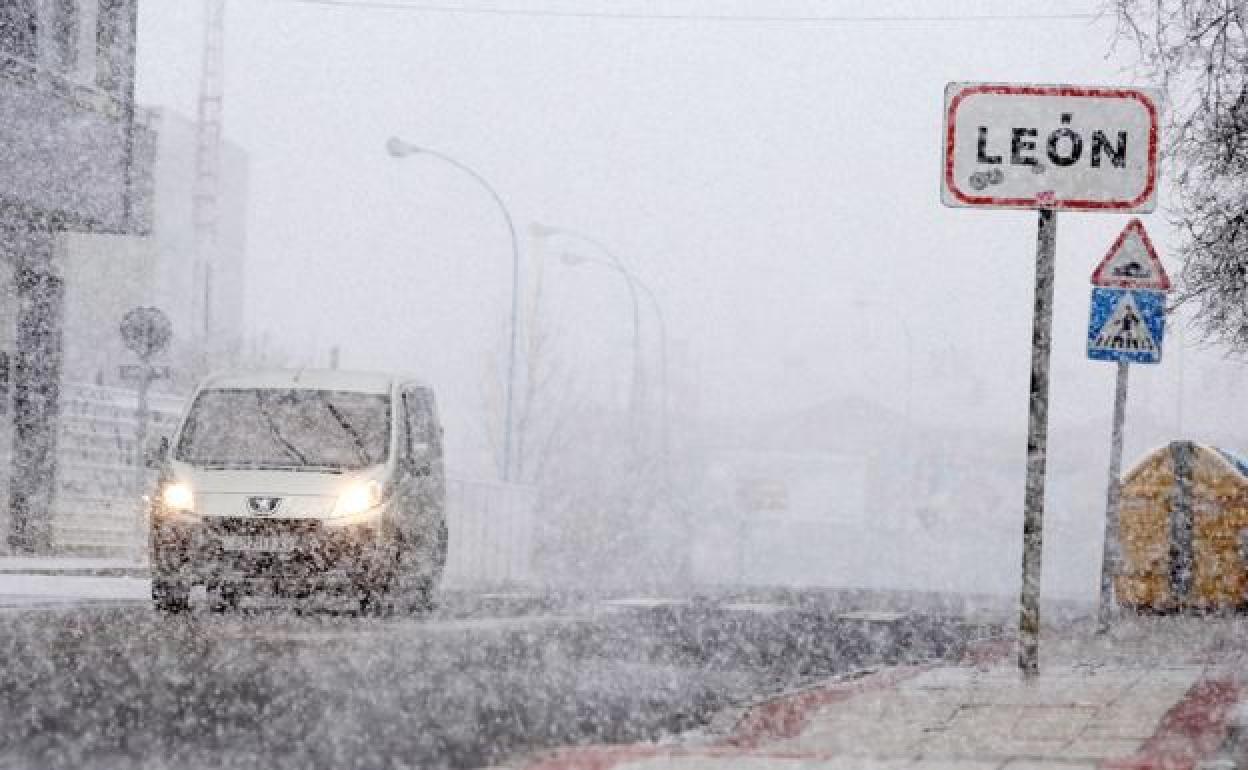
column 43, row 565
column 23, row 590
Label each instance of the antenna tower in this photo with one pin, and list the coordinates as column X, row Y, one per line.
column 205, row 209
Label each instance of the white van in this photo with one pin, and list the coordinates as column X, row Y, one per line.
column 300, row 482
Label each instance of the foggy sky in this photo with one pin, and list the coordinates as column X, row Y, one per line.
column 775, row 183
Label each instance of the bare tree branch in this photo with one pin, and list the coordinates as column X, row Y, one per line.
column 1197, row 51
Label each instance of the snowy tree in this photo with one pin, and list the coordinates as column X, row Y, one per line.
column 1198, row 51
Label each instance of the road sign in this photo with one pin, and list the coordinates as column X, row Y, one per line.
column 1059, row 147
column 137, row 372
column 1126, row 325
column 146, row 331
column 1132, row 262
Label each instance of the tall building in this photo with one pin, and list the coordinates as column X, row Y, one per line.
column 159, row 270
column 75, row 156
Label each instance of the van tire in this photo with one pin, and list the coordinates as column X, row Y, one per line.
column 377, row 595
column 421, row 600
column 420, row 572
column 223, row 599
column 170, row 598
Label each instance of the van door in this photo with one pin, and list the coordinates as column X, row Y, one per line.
column 423, row 484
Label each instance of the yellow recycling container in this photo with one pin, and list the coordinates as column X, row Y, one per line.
column 1183, row 528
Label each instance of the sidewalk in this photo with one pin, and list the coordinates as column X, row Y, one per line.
column 1155, row 694
column 37, row 581
column 80, row 566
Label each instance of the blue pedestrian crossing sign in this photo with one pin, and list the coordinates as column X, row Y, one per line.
column 1126, row 325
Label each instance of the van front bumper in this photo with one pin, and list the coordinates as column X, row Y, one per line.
column 271, row 555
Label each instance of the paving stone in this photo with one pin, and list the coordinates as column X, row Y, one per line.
column 764, row 763
column 1102, row 748
column 1096, row 699
column 1046, row 764
column 939, row 679
column 1052, row 722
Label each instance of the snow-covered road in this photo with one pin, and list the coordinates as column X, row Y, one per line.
column 101, row 680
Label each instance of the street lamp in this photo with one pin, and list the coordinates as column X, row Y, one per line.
column 613, row 262
column 400, row 149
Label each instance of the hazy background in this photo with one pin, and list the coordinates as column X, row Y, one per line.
column 775, row 183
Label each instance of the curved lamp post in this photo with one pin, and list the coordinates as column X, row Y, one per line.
column 400, row 149
column 613, row 262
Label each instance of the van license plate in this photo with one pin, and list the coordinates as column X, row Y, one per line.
column 272, row 543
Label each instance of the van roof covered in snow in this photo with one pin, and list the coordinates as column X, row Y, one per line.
column 311, row 379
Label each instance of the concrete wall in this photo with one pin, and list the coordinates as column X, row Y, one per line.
column 75, row 155
column 105, row 276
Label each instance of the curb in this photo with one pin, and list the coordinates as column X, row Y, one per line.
column 747, row 727
column 784, row 716
column 131, row 572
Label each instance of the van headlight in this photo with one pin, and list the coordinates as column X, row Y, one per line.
column 177, row 496
column 359, row 498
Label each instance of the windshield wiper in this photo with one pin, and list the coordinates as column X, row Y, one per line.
column 277, row 434
column 360, row 448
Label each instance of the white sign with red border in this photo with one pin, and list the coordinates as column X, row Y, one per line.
column 1132, row 262
column 1084, row 148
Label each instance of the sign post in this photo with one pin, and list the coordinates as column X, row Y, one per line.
column 1126, row 324
column 146, row 331
column 1048, row 148
column 1037, row 443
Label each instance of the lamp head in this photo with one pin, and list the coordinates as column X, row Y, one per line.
column 399, row 148
column 540, row 230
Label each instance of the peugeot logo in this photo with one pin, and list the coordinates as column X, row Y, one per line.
column 263, row 506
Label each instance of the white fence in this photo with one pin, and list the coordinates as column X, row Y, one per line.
column 95, row 510
column 491, row 528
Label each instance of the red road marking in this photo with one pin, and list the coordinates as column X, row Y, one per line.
column 1191, row 730
column 785, row 717
column 777, row 719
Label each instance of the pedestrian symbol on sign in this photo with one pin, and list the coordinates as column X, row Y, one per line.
column 1126, row 330
column 1126, row 325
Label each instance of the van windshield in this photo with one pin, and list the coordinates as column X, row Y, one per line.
column 300, row 429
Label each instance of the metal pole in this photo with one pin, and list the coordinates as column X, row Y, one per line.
column 638, row 387
column 140, row 467
column 1037, row 446
column 665, row 406
column 636, row 395
column 909, row 470
column 1111, row 550
column 399, row 148
column 515, row 302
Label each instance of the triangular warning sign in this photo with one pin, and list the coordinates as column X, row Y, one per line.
column 1125, row 331
column 1132, row 262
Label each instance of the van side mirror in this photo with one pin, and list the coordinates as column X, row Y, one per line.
column 156, row 452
